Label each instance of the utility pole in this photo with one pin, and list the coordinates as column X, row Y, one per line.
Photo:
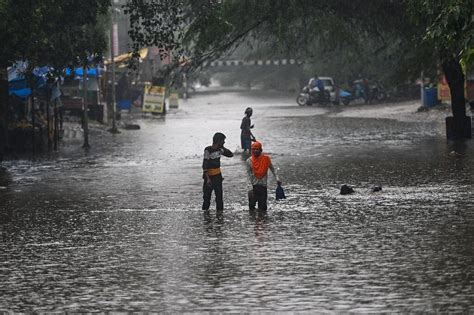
column 112, row 64
column 422, row 87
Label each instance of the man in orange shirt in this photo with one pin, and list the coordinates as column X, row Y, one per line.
column 257, row 169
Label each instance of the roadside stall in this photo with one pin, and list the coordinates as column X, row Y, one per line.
column 30, row 118
column 72, row 93
column 129, row 88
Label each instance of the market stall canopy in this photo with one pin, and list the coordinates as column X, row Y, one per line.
column 120, row 60
column 18, row 70
column 79, row 72
column 17, row 84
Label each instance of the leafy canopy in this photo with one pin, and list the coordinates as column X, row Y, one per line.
column 56, row 33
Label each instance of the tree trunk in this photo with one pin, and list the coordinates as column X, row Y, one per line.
column 85, row 110
column 455, row 78
column 3, row 112
column 33, row 120
column 56, row 125
column 48, row 117
column 112, row 65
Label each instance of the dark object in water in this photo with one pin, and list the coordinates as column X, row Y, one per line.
column 279, row 193
column 346, row 190
column 132, row 126
column 376, row 188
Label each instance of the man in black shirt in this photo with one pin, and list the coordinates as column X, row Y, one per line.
column 246, row 136
column 212, row 175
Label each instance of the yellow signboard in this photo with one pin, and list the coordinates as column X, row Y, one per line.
column 174, row 100
column 444, row 94
column 154, row 99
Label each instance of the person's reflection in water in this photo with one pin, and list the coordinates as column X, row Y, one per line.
column 258, row 215
column 212, row 226
column 261, row 218
column 6, row 214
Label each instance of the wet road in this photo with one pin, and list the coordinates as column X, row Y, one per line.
column 120, row 228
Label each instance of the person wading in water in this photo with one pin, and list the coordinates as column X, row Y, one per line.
column 257, row 168
column 212, row 175
column 246, row 136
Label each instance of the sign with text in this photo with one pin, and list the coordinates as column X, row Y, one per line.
column 154, row 99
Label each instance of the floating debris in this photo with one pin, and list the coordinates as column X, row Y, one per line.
column 346, row 190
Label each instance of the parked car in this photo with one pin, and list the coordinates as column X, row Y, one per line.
column 330, row 87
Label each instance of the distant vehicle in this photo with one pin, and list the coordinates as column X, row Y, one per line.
column 377, row 92
column 330, row 87
column 345, row 97
column 307, row 98
column 359, row 93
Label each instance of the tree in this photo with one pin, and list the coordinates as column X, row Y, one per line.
column 449, row 29
column 49, row 32
column 411, row 34
column 54, row 33
column 205, row 29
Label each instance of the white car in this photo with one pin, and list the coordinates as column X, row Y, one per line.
column 330, row 87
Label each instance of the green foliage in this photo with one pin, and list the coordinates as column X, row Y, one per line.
column 448, row 25
column 51, row 32
column 156, row 23
column 392, row 40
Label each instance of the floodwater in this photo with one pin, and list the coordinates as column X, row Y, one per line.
column 119, row 228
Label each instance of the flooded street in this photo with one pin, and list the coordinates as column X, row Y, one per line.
column 120, row 228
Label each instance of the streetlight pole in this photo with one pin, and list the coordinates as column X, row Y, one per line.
column 112, row 63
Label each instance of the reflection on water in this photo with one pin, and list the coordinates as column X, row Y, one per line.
column 120, row 229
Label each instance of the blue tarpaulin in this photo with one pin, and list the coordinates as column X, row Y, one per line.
column 17, row 84
column 21, row 93
column 91, row 72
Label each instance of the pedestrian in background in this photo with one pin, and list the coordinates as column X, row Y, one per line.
column 257, row 169
column 212, row 175
column 246, row 136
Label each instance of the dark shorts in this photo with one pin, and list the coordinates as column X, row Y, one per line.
column 245, row 142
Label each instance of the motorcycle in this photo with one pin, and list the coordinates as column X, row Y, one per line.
column 345, row 97
column 357, row 94
column 307, row 97
column 377, row 92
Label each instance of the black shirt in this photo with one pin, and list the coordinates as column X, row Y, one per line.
column 212, row 157
column 245, row 126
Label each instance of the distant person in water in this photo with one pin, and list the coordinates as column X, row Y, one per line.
column 257, row 169
column 246, row 136
column 212, row 175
